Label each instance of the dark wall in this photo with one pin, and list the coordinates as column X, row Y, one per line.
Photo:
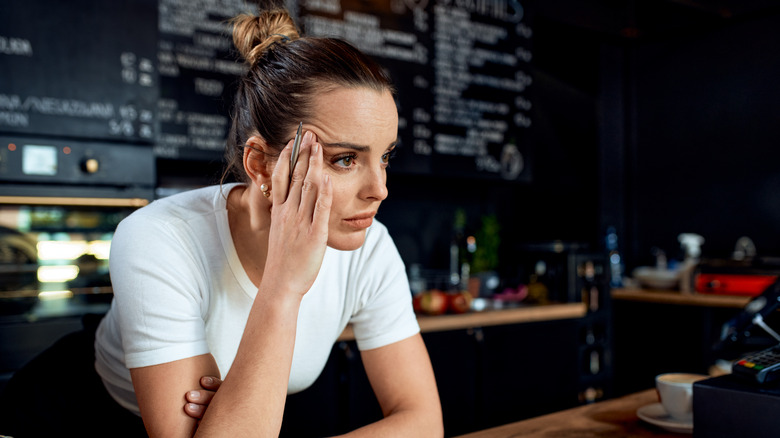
column 705, row 155
column 683, row 100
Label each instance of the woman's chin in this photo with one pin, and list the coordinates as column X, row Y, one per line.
column 349, row 242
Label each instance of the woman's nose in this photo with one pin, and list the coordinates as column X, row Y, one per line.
column 374, row 185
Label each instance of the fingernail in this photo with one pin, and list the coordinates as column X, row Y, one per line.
column 208, row 380
column 194, row 395
column 192, row 407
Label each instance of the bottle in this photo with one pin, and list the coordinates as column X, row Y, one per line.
column 537, row 291
column 615, row 260
column 457, row 250
column 416, row 281
column 691, row 245
column 590, row 291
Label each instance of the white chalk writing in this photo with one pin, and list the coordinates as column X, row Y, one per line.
column 364, row 31
column 57, row 106
column 15, row 46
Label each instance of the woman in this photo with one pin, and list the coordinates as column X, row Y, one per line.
column 254, row 281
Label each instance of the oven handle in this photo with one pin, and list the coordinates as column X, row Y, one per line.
column 73, row 201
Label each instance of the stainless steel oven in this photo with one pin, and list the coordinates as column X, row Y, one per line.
column 60, row 202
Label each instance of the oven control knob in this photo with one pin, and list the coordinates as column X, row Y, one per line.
column 90, row 165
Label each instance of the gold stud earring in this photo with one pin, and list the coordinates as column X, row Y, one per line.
column 265, row 189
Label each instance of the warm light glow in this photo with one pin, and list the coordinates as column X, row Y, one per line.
column 99, row 249
column 471, row 243
column 54, row 295
column 72, row 249
column 11, row 147
column 61, row 250
column 57, row 274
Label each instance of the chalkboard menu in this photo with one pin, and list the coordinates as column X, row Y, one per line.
column 80, row 69
column 462, row 71
column 198, row 70
column 461, row 68
column 163, row 72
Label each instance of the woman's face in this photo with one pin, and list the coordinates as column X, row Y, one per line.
column 357, row 128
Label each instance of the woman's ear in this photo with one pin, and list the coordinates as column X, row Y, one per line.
column 257, row 163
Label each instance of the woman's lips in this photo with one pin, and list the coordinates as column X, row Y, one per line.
column 361, row 221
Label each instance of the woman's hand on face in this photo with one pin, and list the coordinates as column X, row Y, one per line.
column 299, row 219
column 199, row 399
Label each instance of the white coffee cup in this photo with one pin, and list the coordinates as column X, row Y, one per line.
column 676, row 393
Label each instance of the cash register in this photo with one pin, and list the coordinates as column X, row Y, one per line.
column 747, row 401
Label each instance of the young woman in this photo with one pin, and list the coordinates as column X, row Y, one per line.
column 254, row 281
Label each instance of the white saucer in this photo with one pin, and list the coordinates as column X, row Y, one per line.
column 656, row 414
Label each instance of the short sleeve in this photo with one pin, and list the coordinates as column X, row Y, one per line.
column 384, row 314
column 157, row 291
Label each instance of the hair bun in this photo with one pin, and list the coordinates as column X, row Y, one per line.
column 254, row 34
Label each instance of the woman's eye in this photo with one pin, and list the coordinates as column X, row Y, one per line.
column 387, row 156
column 345, row 161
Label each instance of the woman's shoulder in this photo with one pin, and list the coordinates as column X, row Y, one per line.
column 186, row 215
column 183, row 205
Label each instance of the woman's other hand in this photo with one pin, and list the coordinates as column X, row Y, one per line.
column 199, row 399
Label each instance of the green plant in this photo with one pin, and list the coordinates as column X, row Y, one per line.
column 488, row 240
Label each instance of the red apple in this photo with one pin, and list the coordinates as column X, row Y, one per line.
column 460, row 302
column 416, row 303
column 433, row 302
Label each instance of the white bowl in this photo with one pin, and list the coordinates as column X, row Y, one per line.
column 655, row 278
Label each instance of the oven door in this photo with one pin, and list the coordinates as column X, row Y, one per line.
column 54, row 259
column 53, row 272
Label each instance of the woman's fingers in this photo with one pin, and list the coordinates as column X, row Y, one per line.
column 199, row 399
column 210, row 382
column 301, row 169
column 287, row 182
column 195, row 410
column 281, row 176
column 322, row 207
column 312, row 181
column 200, row 396
column 299, row 224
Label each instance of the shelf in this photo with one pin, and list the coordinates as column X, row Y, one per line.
column 678, row 298
column 548, row 312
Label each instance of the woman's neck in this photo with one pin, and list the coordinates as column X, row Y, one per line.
column 249, row 218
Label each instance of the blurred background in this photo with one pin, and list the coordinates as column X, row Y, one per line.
column 557, row 142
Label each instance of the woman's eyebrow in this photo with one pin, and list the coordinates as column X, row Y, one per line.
column 344, row 145
column 355, row 147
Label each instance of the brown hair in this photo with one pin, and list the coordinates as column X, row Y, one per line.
column 286, row 71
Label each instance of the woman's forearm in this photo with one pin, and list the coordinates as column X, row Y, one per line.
column 251, row 399
column 411, row 423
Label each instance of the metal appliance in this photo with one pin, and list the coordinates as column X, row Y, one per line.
column 78, row 122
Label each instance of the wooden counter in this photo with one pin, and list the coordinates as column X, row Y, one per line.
column 548, row 312
column 609, row 418
column 679, row 298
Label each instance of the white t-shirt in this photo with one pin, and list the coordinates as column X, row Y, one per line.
column 180, row 291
